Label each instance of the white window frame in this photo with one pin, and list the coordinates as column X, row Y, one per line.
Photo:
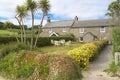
column 102, row 29
column 81, row 30
column 50, row 30
column 64, row 29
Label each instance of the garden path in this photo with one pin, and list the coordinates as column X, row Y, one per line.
column 97, row 67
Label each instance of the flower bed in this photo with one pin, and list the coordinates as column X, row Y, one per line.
column 86, row 53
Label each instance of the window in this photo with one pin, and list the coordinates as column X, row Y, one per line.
column 81, row 30
column 50, row 30
column 102, row 29
column 81, row 38
column 64, row 29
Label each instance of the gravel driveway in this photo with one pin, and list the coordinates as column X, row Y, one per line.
column 100, row 64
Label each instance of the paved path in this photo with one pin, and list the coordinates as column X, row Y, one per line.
column 97, row 67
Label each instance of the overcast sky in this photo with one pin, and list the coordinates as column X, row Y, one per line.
column 60, row 10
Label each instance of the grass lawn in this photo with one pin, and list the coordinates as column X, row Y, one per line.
column 58, row 49
column 7, row 33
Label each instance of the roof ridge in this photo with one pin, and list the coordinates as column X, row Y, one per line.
column 93, row 20
column 62, row 21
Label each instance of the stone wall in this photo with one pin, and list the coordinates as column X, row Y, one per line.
column 94, row 30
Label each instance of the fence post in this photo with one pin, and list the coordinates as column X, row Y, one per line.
column 117, row 57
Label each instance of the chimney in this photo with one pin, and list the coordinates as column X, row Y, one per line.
column 75, row 18
column 48, row 20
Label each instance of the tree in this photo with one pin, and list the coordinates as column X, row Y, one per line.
column 1, row 25
column 114, row 11
column 21, row 14
column 45, row 6
column 8, row 24
column 31, row 6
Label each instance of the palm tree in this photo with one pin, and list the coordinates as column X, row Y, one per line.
column 8, row 24
column 21, row 14
column 31, row 6
column 45, row 6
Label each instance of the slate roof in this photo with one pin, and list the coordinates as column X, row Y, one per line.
column 84, row 23
column 66, row 23
column 93, row 23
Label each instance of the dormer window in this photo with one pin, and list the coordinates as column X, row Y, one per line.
column 81, row 30
column 102, row 29
column 64, row 29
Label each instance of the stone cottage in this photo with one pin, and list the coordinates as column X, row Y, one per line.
column 86, row 30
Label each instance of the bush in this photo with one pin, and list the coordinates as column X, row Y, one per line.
column 66, row 38
column 13, row 47
column 25, row 70
column 116, row 40
column 101, row 44
column 5, row 40
column 112, row 68
column 86, row 53
column 32, row 66
column 42, row 41
column 7, row 49
column 68, row 35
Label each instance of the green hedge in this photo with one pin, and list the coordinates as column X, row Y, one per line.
column 46, row 41
column 5, row 40
column 42, row 41
column 116, row 40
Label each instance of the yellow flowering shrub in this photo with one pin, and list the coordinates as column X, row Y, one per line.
column 84, row 54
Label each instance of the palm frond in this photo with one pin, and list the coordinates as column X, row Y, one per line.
column 31, row 5
column 21, row 11
column 45, row 6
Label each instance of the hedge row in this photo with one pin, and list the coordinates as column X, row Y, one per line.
column 116, row 40
column 86, row 53
column 42, row 41
column 5, row 40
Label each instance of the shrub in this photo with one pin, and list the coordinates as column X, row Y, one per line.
column 7, row 49
column 68, row 35
column 25, row 70
column 13, row 47
column 101, row 44
column 5, row 40
column 31, row 65
column 6, row 64
column 22, row 46
column 67, row 38
column 83, row 54
column 42, row 41
column 112, row 68
column 86, row 53
column 116, row 40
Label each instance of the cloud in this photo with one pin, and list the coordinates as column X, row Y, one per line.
column 7, row 7
column 60, row 9
column 84, row 9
